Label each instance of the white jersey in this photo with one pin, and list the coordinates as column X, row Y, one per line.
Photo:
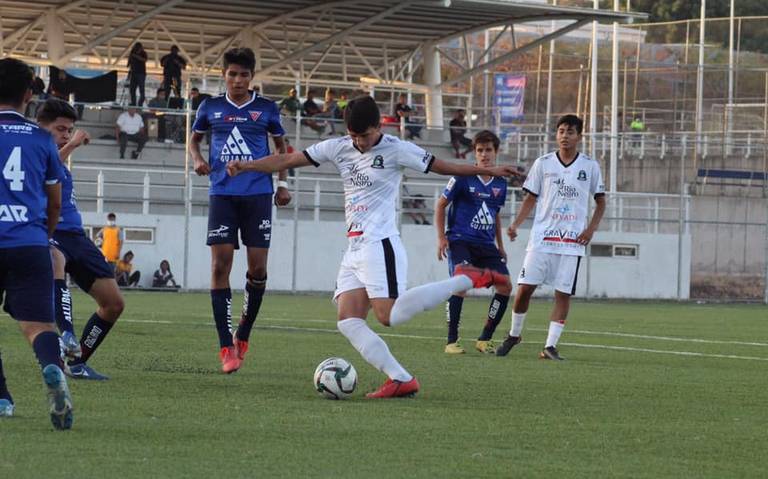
column 371, row 181
column 563, row 195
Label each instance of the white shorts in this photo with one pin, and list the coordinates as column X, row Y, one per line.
column 558, row 270
column 381, row 267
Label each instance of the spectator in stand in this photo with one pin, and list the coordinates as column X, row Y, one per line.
column 290, row 104
column 458, row 135
column 137, row 72
column 39, row 96
column 311, row 109
column 172, row 64
column 163, row 278
column 403, row 110
column 110, row 239
column 197, row 98
column 130, row 126
column 412, row 203
column 159, row 102
column 342, row 104
column 123, row 271
column 330, row 109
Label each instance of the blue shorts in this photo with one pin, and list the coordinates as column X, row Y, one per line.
column 26, row 281
column 477, row 254
column 85, row 262
column 251, row 215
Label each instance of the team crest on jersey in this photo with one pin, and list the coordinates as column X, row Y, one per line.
column 483, row 219
column 496, row 191
column 254, row 114
column 378, row 162
column 236, row 148
column 582, row 175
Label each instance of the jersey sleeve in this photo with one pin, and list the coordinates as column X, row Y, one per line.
column 533, row 181
column 597, row 186
column 322, row 152
column 414, row 157
column 274, row 127
column 54, row 171
column 452, row 188
column 201, row 124
column 505, row 190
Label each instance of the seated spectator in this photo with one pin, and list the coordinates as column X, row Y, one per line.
column 411, row 204
column 311, row 109
column 197, row 98
column 163, row 278
column 341, row 105
column 123, row 273
column 403, row 110
column 159, row 101
column 458, row 134
column 329, row 110
column 290, row 104
column 130, row 126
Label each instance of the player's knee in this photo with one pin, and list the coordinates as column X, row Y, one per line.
column 504, row 289
column 114, row 308
column 257, row 276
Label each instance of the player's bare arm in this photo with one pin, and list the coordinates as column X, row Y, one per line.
column 442, row 240
column 268, row 164
column 282, row 195
column 442, row 167
column 499, row 237
column 586, row 236
column 53, row 210
column 529, row 203
column 79, row 138
column 201, row 166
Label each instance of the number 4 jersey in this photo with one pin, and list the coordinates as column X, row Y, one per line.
column 29, row 161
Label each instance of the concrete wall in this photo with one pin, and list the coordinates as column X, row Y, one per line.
column 321, row 246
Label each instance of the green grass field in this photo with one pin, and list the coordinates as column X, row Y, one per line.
column 649, row 390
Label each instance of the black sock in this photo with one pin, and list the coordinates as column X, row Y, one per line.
column 221, row 301
column 4, row 392
column 254, row 293
column 495, row 312
column 454, row 317
column 93, row 334
column 47, row 349
column 63, row 306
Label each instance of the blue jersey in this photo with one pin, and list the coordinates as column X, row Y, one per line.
column 28, row 161
column 238, row 133
column 474, row 208
column 70, row 217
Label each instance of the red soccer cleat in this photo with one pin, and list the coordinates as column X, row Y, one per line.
column 241, row 347
column 395, row 389
column 481, row 278
column 229, row 360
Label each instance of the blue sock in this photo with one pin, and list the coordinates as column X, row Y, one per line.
column 454, row 317
column 4, row 392
column 221, row 301
column 47, row 350
column 495, row 312
column 254, row 293
column 93, row 334
column 63, row 306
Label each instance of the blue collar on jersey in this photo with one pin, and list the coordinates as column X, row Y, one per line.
column 3, row 112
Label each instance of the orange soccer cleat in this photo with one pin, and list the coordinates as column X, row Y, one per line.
column 241, row 347
column 481, row 278
column 395, row 389
column 229, row 360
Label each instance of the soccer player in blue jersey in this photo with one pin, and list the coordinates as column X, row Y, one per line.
column 241, row 122
column 473, row 236
column 30, row 192
column 74, row 253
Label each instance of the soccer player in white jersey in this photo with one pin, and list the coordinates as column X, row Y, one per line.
column 373, row 272
column 559, row 186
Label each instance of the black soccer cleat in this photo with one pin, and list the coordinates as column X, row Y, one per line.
column 550, row 353
column 508, row 344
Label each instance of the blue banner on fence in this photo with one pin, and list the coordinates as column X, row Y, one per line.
column 509, row 96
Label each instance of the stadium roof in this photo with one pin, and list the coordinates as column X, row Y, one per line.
column 318, row 41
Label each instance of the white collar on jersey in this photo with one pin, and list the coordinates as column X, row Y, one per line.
column 253, row 97
column 2, row 112
column 483, row 182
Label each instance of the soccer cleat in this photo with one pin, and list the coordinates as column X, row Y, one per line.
column 550, row 353
column 241, row 347
column 59, row 400
column 6, row 408
column 229, row 360
column 70, row 345
column 508, row 344
column 485, row 347
column 83, row 371
column 481, row 278
column 395, row 389
column 454, row 348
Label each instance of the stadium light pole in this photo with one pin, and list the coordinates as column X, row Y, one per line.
column 614, row 104
column 729, row 107
column 700, row 83
column 593, row 90
column 547, row 121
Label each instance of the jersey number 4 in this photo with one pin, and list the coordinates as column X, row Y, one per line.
column 13, row 172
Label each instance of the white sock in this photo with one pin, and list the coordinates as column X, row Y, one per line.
column 555, row 330
column 372, row 348
column 518, row 320
column 427, row 296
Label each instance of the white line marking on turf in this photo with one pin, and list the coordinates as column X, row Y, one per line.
column 413, row 336
column 660, row 338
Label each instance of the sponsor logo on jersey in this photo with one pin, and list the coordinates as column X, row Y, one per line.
column 254, row 114
column 358, row 178
column 582, row 175
column 355, row 208
column 426, row 158
column 221, row 232
column 378, row 162
column 235, row 147
column 560, row 236
column 235, row 119
column 564, row 213
column 565, row 190
column 522, row 273
column 450, row 184
column 483, row 219
column 217, row 115
column 13, row 213
column 16, row 128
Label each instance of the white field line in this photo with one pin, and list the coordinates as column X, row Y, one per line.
column 440, row 338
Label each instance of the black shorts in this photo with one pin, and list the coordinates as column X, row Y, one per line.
column 477, row 254
column 251, row 215
column 26, row 283
column 85, row 262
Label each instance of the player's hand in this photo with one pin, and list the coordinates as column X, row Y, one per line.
column 202, row 168
column 442, row 248
column 585, row 237
column 503, row 254
column 504, row 171
column 235, row 167
column 282, row 196
column 80, row 137
column 512, row 232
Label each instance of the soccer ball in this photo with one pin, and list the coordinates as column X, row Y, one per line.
column 335, row 378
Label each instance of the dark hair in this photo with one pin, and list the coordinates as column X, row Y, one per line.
column 136, row 47
column 571, row 120
column 195, row 89
column 167, row 264
column 362, row 113
column 160, row 90
column 174, row 48
column 111, row 215
column 486, row 136
column 240, row 56
column 54, row 108
column 129, row 252
column 15, row 80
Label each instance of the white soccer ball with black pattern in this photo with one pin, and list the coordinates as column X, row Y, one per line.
column 335, row 378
